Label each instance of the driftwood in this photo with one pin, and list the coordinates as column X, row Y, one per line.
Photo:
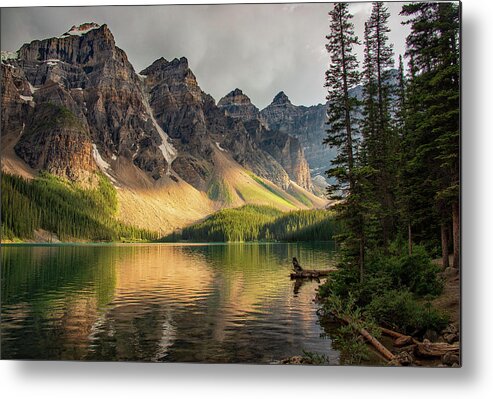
column 381, row 349
column 392, row 333
column 377, row 345
column 299, row 272
column 310, row 274
column 435, row 349
column 296, row 266
column 400, row 340
column 424, row 349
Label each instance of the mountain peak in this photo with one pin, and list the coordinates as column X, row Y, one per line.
column 281, row 98
column 181, row 62
column 238, row 105
column 82, row 29
column 158, row 64
column 235, row 97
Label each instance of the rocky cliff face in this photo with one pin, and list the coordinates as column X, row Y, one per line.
column 238, row 105
column 199, row 127
column 308, row 124
column 73, row 104
column 284, row 148
column 57, row 141
column 16, row 100
column 85, row 72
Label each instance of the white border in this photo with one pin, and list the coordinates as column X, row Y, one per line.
column 85, row 380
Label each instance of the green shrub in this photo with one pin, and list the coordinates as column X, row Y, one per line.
column 419, row 274
column 390, row 292
column 415, row 272
column 399, row 309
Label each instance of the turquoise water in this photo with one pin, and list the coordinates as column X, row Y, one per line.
column 230, row 303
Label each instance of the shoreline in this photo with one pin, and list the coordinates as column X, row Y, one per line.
column 177, row 243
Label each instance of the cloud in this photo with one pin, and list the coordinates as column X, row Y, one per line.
column 260, row 48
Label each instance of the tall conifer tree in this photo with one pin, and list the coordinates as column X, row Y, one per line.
column 378, row 130
column 341, row 76
column 434, row 126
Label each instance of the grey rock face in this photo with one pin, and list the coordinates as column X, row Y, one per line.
column 96, row 109
column 307, row 124
column 285, row 149
column 238, row 105
column 192, row 118
column 85, row 72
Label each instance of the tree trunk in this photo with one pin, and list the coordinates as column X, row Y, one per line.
column 456, row 233
column 444, row 234
column 409, row 239
column 361, row 258
column 377, row 345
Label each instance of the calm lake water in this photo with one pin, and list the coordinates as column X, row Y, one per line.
column 172, row 303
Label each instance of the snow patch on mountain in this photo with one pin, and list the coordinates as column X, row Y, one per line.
column 102, row 164
column 169, row 152
column 9, row 55
column 219, row 147
column 80, row 30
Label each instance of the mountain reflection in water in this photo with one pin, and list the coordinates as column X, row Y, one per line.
column 180, row 303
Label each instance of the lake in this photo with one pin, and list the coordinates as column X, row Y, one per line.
column 208, row 303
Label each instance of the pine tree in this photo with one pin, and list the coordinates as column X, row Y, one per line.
column 400, row 109
column 380, row 138
column 341, row 76
column 433, row 126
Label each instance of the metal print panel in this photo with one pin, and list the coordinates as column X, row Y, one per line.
column 258, row 183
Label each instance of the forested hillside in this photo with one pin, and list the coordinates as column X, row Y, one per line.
column 259, row 223
column 65, row 209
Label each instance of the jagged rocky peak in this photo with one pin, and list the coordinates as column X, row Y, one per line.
column 85, row 44
column 84, row 72
column 238, row 105
column 170, row 72
column 236, row 97
column 281, row 98
column 81, row 29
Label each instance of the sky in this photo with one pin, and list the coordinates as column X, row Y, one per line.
column 261, row 49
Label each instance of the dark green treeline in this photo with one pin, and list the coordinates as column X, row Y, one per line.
column 260, row 223
column 62, row 208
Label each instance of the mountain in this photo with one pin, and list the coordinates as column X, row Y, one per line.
column 75, row 107
column 284, row 148
column 308, row 125
column 200, row 129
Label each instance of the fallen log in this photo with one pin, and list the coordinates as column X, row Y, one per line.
column 391, row 333
column 388, row 355
column 310, row 273
column 404, row 341
column 435, row 349
column 381, row 349
column 400, row 340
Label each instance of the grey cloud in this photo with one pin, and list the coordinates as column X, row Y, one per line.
column 262, row 48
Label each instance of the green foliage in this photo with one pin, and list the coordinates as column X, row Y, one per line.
column 398, row 270
column 389, row 282
column 400, row 310
column 256, row 223
column 316, row 359
column 429, row 172
column 402, row 177
column 63, row 208
column 349, row 343
column 347, row 338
